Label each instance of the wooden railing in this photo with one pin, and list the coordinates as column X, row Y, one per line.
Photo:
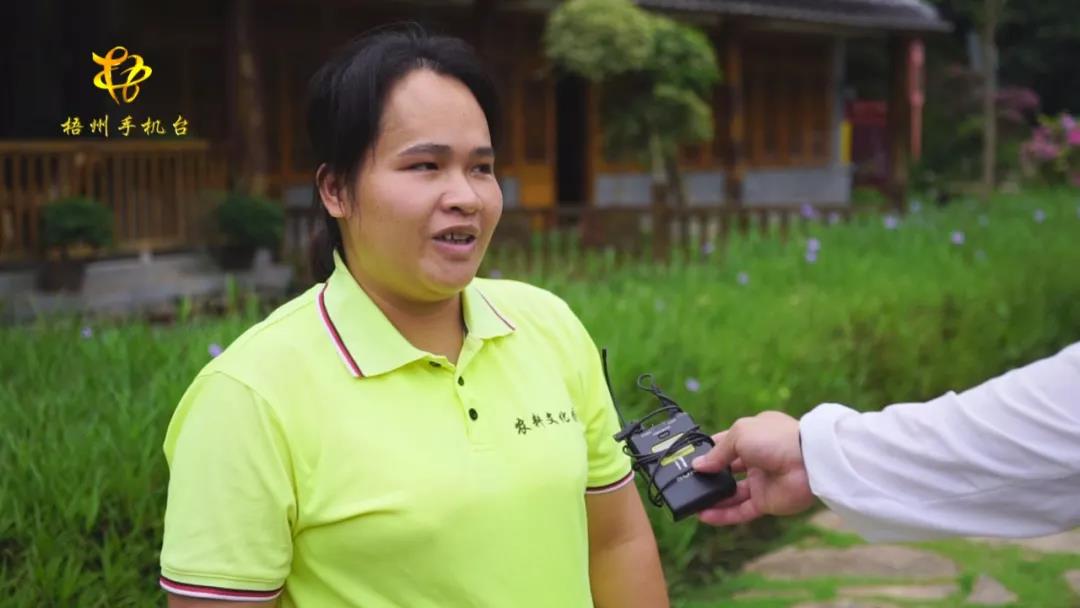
column 636, row 233
column 158, row 191
column 530, row 238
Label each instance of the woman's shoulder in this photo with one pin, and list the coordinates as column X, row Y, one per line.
column 273, row 342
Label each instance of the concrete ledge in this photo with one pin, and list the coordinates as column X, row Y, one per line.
column 132, row 286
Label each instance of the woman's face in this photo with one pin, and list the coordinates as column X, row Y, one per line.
column 426, row 199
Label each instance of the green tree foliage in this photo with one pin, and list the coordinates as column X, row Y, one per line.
column 599, row 39
column 1036, row 46
column 656, row 75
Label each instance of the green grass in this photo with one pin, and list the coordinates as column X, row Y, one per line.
column 1036, row 579
column 882, row 316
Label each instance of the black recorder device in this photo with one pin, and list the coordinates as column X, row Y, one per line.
column 662, row 451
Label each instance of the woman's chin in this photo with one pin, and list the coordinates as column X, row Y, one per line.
column 449, row 281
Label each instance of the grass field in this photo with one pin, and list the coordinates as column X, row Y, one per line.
column 880, row 312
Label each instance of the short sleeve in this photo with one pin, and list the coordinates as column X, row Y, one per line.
column 609, row 467
column 231, row 500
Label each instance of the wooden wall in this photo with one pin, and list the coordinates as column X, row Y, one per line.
column 787, row 96
column 787, row 88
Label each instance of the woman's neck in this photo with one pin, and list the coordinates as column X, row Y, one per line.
column 435, row 327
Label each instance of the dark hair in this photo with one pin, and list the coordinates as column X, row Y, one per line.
column 346, row 99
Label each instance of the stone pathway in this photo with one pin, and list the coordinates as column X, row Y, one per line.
column 865, row 561
column 901, row 575
column 1072, row 577
column 1068, row 542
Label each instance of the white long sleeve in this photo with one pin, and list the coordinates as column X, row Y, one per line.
column 1001, row 459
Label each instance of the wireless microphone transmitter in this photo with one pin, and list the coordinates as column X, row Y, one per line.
column 662, row 453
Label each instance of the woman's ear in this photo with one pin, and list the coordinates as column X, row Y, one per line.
column 333, row 191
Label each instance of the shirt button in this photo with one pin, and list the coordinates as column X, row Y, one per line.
column 461, row 381
column 434, row 364
column 473, row 414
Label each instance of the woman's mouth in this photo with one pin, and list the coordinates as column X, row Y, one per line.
column 457, row 246
column 456, row 238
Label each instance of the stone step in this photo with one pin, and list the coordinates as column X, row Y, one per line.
column 865, row 561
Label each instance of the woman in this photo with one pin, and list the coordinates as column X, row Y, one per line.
column 405, row 434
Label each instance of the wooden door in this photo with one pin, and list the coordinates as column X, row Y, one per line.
column 532, row 128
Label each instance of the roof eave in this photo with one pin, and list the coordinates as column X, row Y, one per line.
column 884, row 24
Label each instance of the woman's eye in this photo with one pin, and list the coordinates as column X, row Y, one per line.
column 486, row 168
column 423, row 167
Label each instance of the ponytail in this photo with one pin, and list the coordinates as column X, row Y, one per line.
column 325, row 239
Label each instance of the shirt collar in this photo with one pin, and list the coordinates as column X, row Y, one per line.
column 369, row 344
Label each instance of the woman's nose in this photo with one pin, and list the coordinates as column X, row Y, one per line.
column 461, row 195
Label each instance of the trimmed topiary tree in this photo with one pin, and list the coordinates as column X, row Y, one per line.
column 657, row 77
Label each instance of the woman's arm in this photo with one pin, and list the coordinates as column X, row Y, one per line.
column 230, row 505
column 624, row 564
column 179, row 601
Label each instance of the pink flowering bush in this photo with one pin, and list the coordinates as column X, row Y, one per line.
column 1052, row 155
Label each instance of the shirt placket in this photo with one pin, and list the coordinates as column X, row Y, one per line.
column 477, row 415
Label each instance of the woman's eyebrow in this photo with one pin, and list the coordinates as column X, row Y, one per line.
column 443, row 149
column 426, row 148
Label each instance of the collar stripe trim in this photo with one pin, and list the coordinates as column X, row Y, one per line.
column 335, row 337
column 496, row 311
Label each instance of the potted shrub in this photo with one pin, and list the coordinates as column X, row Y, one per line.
column 72, row 229
column 247, row 223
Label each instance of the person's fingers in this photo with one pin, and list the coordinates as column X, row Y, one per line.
column 720, row 456
column 722, row 512
column 742, row 492
column 737, row 466
column 729, row 516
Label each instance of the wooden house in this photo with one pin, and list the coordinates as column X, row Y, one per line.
column 233, row 73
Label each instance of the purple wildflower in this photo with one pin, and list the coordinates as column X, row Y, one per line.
column 811, row 257
column 813, row 245
column 693, row 385
column 495, row 273
column 214, row 349
column 808, row 211
column 707, row 248
column 891, row 222
column 1044, row 150
column 1040, row 216
column 1073, row 137
column 743, row 278
column 87, row 332
column 834, row 218
column 957, row 237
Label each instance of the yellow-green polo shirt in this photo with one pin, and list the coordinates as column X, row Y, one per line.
column 324, row 458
